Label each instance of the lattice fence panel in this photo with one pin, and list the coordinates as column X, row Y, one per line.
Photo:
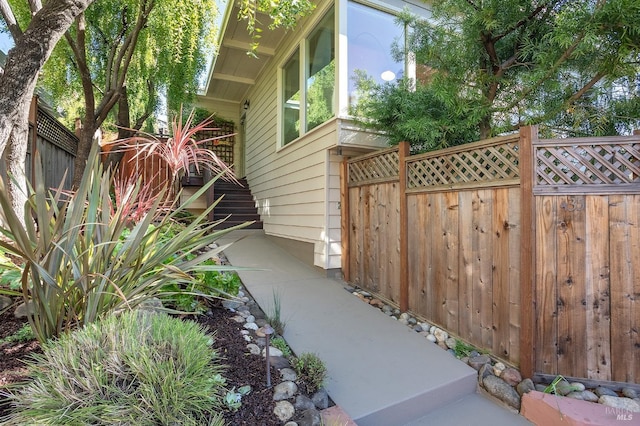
column 481, row 164
column 51, row 130
column 380, row 167
column 588, row 164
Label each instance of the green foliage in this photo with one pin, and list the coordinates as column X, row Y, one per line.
column 86, row 259
column 552, row 388
column 485, row 68
column 10, row 276
column 279, row 343
column 274, row 317
column 133, row 368
column 24, row 334
column 233, row 399
column 463, row 349
column 311, row 371
column 206, row 285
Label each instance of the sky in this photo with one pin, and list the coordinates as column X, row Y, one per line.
column 6, row 42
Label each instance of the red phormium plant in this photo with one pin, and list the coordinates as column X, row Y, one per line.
column 180, row 151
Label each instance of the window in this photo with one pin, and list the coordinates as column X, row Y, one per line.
column 371, row 33
column 321, row 73
column 318, row 93
column 291, row 104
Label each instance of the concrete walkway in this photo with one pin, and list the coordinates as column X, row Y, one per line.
column 380, row 372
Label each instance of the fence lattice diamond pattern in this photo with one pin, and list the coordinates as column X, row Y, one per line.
column 374, row 169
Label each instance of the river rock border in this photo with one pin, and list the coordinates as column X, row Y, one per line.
column 503, row 382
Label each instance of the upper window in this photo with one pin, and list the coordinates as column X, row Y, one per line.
column 316, row 90
column 371, row 33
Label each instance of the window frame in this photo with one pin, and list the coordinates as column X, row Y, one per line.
column 301, row 49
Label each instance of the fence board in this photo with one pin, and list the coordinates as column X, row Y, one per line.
column 546, row 277
column 570, row 283
column 625, row 286
column 500, row 305
column 468, row 326
column 598, row 314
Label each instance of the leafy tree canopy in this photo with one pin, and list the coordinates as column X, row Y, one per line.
column 485, row 67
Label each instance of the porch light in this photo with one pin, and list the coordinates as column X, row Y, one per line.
column 246, row 105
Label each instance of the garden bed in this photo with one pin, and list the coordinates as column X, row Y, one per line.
column 241, row 368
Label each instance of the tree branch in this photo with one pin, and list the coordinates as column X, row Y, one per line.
column 523, row 22
column 128, row 48
column 10, row 20
column 472, row 4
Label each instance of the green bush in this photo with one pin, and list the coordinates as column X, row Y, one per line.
column 279, row 343
column 311, row 371
column 24, row 334
column 135, row 368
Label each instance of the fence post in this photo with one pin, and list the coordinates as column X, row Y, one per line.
column 344, row 220
column 527, row 253
column 403, row 152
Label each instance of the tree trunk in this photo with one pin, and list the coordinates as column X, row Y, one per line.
column 85, row 142
column 17, row 83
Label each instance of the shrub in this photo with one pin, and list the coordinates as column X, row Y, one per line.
column 311, row 371
column 133, row 368
column 281, row 344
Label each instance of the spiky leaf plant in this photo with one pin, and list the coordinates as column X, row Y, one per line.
column 84, row 258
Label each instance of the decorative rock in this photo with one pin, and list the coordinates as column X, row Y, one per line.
column 291, row 424
column 627, row 404
column 630, row 393
column 284, row 390
column 540, row 387
column 601, row 390
column 432, row 329
column 279, row 362
column 239, row 319
column 564, row 388
column 23, row 310
column 251, row 326
column 451, row 343
column 251, row 318
column 440, row 334
column 245, row 332
column 231, row 304
column 253, row 349
column 396, row 311
column 484, row 371
column 424, row 326
column 247, row 338
column 5, row 302
column 589, row 396
column 576, row 395
column 310, row 418
column 320, row 399
column 502, row 390
column 404, row 316
column 499, row 368
column 511, row 376
column 451, row 352
column 473, row 353
column 412, row 321
column 288, row 375
column 417, row 329
column 403, row 321
column 577, row 386
column 376, row 302
column 431, row 338
column 272, row 351
column 525, row 386
column 304, row 403
column 261, row 322
column 478, row 361
column 284, row 410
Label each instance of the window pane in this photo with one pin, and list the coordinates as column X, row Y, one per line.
column 320, row 73
column 291, row 97
column 371, row 33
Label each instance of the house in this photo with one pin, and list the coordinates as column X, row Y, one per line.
column 291, row 110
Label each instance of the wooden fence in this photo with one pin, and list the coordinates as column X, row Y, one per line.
column 57, row 146
column 524, row 247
